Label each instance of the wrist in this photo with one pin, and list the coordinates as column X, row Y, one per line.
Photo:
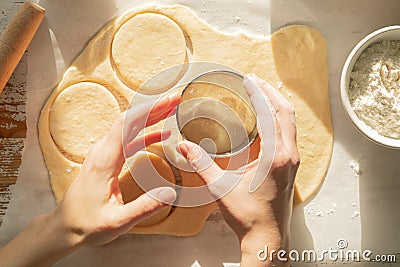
column 42, row 243
column 54, row 239
column 59, row 230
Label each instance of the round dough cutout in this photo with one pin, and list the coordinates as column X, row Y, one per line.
column 146, row 45
column 147, row 165
column 80, row 116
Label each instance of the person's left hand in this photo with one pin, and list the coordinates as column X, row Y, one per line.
column 93, row 211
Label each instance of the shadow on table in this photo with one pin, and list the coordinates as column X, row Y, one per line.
column 213, row 246
column 74, row 22
column 344, row 23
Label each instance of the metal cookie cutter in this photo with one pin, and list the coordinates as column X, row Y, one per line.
column 216, row 113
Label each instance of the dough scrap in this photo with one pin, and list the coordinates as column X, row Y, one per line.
column 247, row 54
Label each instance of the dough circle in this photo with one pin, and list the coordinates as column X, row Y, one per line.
column 146, row 45
column 150, row 165
column 80, row 116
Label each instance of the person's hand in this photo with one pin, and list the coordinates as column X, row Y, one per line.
column 260, row 218
column 93, row 210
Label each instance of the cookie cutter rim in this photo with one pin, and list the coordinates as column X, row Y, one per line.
column 251, row 137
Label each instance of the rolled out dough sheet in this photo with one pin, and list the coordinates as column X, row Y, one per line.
column 294, row 60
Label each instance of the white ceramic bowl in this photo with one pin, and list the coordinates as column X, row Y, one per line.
column 387, row 33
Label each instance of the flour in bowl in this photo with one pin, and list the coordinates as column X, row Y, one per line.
column 374, row 90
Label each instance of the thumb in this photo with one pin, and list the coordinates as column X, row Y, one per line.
column 200, row 161
column 147, row 205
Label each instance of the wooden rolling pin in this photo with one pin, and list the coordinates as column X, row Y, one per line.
column 17, row 37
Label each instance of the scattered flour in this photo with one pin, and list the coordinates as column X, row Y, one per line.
column 355, row 168
column 374, row 89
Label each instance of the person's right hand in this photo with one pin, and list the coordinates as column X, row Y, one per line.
column 260, row 218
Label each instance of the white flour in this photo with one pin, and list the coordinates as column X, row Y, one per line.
column 374, row 89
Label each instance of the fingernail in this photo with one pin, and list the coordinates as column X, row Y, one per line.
column 197, row 157
column 167, row 195
column 190, row 151
column 165, row 135
column 251, row 77
column 250, row 86
column 183, row 149
column 173, row 95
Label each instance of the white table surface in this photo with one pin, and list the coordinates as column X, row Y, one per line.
column 362, row 208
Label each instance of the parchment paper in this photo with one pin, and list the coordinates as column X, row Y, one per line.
column 69, row 24
column 358, row 202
